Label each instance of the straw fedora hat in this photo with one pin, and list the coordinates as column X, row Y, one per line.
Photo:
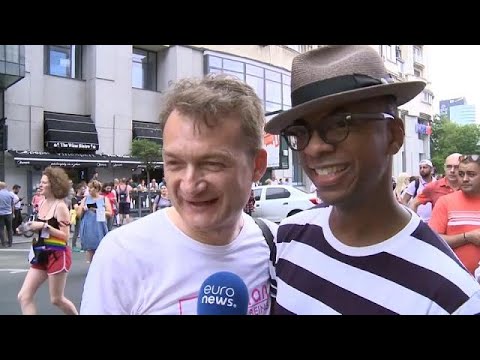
column 334, row 75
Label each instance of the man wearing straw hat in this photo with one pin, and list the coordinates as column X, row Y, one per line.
column 360, row 252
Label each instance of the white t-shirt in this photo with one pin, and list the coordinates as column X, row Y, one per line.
column 151, row 267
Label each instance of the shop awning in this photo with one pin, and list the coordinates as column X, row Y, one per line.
column 146, row 130
column 67, row 132
column 41, row 158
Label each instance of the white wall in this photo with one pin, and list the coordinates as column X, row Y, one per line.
column 145, row 105
column 64, row 95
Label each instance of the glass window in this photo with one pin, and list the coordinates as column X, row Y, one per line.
column 273, row 75
column 287, row 100
column 233, row 65
column 257, row 84
column 216, row 71
column 144, row 69
column 286, row 79
column 2, row 52
column 254, row 70
column 12, row 53
column 277, row 193
column 2, row 67
column 257, row 193
column 12, row 69
column 215, row 61
column 63, row 60
column 234, row 73
column 273, row 91
column 269, row 106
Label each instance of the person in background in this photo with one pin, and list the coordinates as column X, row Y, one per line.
column 361, row 252
column 6, row 211
column 110, row 195
column 161, row 200
column 434, row 190
column 17, row 205
column 37, row 199
column 416, row 187
column 402, row 182
column 94, row 211
column 52, row 256
column 456, row 216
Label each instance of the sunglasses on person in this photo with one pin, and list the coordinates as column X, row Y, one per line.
column 333, row 129
column 469, row 158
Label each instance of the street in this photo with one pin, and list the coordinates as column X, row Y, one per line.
column 13, row 268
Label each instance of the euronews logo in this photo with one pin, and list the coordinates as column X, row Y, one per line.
column 218, row 295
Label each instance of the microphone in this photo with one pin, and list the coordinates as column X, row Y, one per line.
column 223, row 293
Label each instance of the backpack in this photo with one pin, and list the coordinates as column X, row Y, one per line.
column 122, row 195
column 417, row 184
column 267, row 234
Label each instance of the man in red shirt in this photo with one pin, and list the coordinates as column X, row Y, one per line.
column 434, row 190
column 456, row 216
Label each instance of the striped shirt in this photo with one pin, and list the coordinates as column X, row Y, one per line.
column 413, row 272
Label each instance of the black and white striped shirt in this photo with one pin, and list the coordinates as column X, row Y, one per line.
column 414, row 272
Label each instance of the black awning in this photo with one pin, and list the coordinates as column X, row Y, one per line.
column 146, row 130
column 66, row 132
column 43, row 158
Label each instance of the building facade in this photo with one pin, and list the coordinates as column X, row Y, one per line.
column 80, row 106
column 463, row 114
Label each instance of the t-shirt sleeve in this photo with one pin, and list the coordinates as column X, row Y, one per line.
column 439, row 219
column 426, row 195
column 111, row 286
column 410, row 190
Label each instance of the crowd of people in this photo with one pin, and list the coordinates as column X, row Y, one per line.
column 368, row 248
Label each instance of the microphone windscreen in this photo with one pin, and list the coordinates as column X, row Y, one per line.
column 223, row 293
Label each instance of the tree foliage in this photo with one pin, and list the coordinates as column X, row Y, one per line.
column 449, row 137
column 149, row 152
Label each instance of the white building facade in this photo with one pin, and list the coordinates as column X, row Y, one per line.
column 80, row 106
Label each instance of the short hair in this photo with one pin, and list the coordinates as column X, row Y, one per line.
column 97, row 185
column 209, row 99
column 59, row 185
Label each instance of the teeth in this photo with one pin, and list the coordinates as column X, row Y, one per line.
column 329, row 170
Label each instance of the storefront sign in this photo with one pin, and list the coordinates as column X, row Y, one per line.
column 70, row 145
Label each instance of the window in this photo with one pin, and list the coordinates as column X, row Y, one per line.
column 64, row 60
column 417, row 73
column 427, row 97
column 144, row 69
column 418, row 54
column 389, row 52
column 271, row 85
column 257, row 193
column 277, row 193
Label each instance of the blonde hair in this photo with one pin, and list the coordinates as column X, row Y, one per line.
column 403, row 179
column 211, row 99
column 97, row 185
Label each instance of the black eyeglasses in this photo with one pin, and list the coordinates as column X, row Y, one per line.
column 333, row 129
column 468, row 158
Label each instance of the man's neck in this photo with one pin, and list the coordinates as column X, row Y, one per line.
column 372, row 223
column 453, row 184
column 217, row 236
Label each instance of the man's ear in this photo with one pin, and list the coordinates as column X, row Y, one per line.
column 260, row 165
column 396, row 135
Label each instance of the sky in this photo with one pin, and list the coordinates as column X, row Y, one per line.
column 454, row 71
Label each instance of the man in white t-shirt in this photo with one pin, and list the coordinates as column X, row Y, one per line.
column 212, row 152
